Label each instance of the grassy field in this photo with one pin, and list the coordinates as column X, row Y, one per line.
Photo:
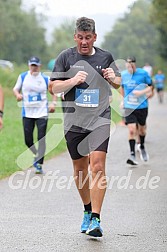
column 14, row 155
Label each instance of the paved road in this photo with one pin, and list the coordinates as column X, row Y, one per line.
column 46, row 216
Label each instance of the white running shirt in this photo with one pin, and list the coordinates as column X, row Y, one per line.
column 34, row 91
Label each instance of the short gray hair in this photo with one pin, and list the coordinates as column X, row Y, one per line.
column 85, row 24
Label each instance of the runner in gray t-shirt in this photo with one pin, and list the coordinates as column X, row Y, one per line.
column 85, row 73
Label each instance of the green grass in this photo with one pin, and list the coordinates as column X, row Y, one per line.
column 8, row 78
column 115, row 105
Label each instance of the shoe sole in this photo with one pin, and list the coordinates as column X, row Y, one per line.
column 129, row 161
column 95, row 232
column 83, row 231
column 38, row 172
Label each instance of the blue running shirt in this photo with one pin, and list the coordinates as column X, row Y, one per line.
column 159, row 80
column 139, row 80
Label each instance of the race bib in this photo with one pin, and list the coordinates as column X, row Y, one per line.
column 133, row 100
column 34, row 98
column 87, row 97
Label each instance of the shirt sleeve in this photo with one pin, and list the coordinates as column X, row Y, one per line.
column 18, row 84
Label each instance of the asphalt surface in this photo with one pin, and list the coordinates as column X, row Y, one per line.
column 39, row 214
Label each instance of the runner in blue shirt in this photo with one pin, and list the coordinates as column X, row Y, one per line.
column 135, row 86
column 159, row 80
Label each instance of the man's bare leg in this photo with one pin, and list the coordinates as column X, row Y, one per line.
column 98, row 183
column 82, row 178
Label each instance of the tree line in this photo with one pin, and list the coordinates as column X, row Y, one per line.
column 142, row 32
column 21, row 34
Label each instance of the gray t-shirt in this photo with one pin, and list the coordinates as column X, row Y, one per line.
column 86, row 106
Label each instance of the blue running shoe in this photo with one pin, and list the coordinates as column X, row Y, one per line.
column 38, row 168
column 86, row 221
column 94, row 228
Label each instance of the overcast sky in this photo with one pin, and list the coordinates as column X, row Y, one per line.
column 57, row 10
column 79, row 7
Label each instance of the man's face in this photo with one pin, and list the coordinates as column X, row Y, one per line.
column 85, row 41
column 131, row 66
column 34, row 69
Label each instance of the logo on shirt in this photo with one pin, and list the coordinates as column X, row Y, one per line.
column 76, row 67
column 98, row 67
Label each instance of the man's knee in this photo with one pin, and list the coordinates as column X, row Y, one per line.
column 97, row 167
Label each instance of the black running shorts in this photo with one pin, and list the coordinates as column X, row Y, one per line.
column 81, row 144
column 136, row 116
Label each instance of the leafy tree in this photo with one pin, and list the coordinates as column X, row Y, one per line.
column 159, row 18
column 21, row 34
column 134, row 35
column 62, row 38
